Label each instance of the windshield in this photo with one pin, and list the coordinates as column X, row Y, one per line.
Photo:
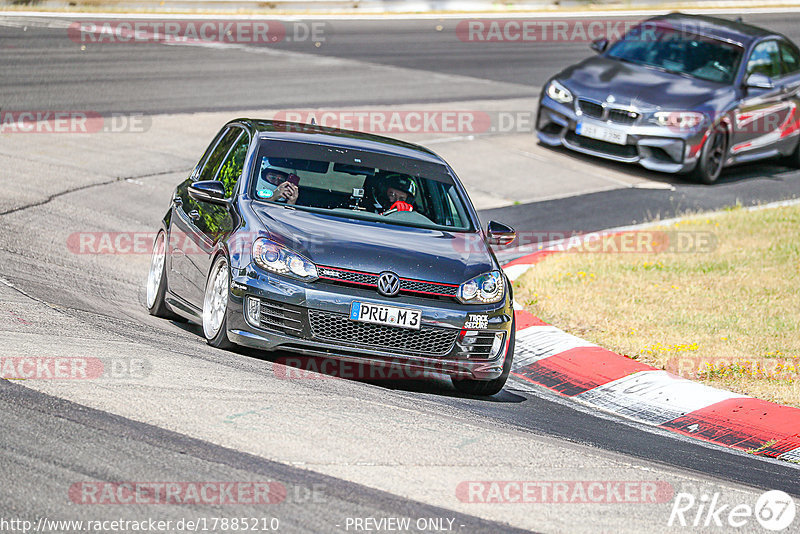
column 679, row 50
column 358, row 184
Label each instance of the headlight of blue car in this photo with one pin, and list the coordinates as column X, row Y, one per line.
column 484, row 289
column 278, row 259
column 559, row 93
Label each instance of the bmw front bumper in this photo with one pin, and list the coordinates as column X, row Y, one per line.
column 313, row 319
column 653, row 147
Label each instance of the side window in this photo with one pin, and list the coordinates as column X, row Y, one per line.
column 214, row 160
column 231, row 170
column 765, row 59
column 790, row 58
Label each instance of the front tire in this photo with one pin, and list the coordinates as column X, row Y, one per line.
column 490, row 387
column 215, row 305
column 157, row 279
column 712, row 156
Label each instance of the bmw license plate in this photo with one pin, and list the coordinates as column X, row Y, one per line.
column 601, row 133
column 366, row 312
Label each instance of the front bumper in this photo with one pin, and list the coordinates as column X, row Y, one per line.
column 653, row 147
column 313, row 319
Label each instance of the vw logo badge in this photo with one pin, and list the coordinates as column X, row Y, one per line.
column 388, row 284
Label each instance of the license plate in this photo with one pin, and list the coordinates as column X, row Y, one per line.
column 366, row 312
column 601, row 133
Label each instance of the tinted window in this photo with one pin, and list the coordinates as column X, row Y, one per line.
column 791, row 59
column 765, row 60
column 214, row 160
column 361, row 185
column 231, row 170
column 678, row 50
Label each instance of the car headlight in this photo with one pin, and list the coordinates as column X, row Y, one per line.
column 278, row 259
column 484, row 289
column 559, row 93
column 680, row 120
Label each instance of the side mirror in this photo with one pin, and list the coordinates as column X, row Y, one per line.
column 759, row 81
column 500, row 234
column 599, row 45
column 210, row 191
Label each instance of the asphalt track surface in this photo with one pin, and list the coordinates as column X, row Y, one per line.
column 48, row 442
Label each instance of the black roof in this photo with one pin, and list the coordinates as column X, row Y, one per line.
column 729, row 30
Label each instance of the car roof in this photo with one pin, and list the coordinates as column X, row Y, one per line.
column 729, row 30
column 316, row 134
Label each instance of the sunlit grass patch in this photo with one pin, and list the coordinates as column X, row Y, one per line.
column 728, row 315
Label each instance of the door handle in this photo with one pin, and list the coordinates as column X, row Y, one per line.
column 176, row 201
column 194, row 215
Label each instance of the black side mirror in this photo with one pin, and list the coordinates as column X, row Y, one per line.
column 759, row 81
column 599, row 45
column 500, row 234
column 210, row 191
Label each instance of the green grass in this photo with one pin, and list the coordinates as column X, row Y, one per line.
column 727, row 315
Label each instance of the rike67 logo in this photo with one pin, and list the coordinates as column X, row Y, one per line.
column 774, row 511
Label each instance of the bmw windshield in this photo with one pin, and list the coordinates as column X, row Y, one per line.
column 358, row 184
column 679, row 50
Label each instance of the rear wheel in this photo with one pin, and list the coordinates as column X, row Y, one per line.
column 490, row 387
column 157, row 279
column 712, row 156
column 215, row 305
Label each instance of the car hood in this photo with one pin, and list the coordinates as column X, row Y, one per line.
column 637, row 86
column 422, row 254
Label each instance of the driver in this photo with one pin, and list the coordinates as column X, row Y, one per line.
column 400, row 190
column 280, row 186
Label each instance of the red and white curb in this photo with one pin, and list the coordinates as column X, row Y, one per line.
column 549, row 357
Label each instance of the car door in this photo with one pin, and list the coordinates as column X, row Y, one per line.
column 216, row 222
column 761, row 113
column 188, row 243
column 790, row 84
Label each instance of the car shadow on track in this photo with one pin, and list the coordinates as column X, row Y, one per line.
column 766, row 169
column 292, row 366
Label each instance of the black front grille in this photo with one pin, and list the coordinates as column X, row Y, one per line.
column 622, row 151
column 591, row 109
column 280, row 317
column 596, row 110
column 352, row 277
column 416, row 286
column 430, row 341
column 622, row 116
column 420, row 287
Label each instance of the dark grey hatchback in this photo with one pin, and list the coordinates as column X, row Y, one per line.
column 336, row 244
column 680, row 94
